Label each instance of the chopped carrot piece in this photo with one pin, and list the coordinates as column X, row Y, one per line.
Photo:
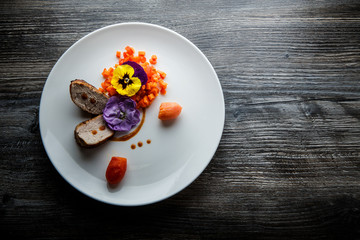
column 111, row 90
column 154, row 78
column 141, row 53
column 146, row 100
column 162, row 74
column 145, row 64
column 142, row 59
column 136, row 59
column 162, row 84
column 118, row 54
column 151, row 97
column 163, row 91
column 155, row 91
column 130, row 50
column 105, row 73
column 152, row 61
column 104, row 85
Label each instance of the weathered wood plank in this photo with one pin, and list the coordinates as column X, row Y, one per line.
column 288, row 164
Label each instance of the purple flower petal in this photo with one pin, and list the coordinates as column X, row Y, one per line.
column 120, row 113
column 139, row 71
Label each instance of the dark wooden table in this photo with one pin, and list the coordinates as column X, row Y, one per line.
column 288, row 164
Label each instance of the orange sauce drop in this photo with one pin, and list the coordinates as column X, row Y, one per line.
column 133, row 146
column 94, row 132
column 140, row 144
column 131, row 134
column 102, row 128
column 148, row 141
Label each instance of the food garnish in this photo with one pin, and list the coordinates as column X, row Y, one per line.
column 116, row 169
column 150, row 89
column 169, row 110
column 121, row 114
column 132, row 84
column 128, row 78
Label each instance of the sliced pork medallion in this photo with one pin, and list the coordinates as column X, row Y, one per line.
column 87, row 97
column 93, row 132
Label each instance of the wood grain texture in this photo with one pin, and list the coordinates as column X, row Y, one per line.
column 288, row 164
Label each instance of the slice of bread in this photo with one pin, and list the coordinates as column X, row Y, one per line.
column 93, row 132
column 87, row 97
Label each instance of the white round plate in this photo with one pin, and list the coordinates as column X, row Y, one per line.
column 177, row 153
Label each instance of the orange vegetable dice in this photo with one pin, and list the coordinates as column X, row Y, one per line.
column 151, row 97
column 152, row 61
column 163, row 91
column 111, row 90
column 162, row 74
column 105, row 73
column 130, row 50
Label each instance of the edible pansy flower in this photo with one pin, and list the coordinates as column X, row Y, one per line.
column 128, row 78
column 121, row 114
